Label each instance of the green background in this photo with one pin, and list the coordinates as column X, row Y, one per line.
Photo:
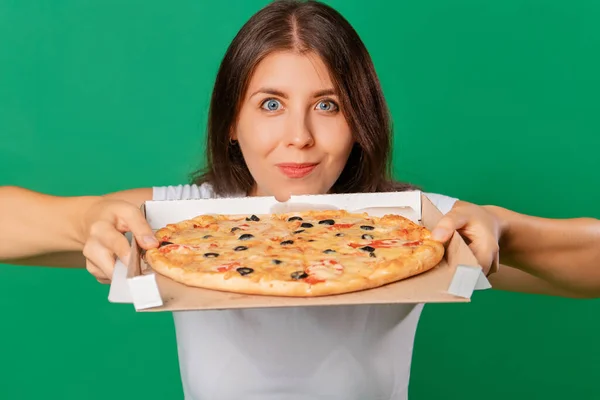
column 494, row 101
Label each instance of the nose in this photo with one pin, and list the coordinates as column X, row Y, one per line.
column 299, row 130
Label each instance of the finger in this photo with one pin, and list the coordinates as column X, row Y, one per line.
column 495, row 265
column 95, row 271
column 452, row 221
column 484, row 258
column 100, row 257
column 486, row 255
column 133, row 221
column 109, row 238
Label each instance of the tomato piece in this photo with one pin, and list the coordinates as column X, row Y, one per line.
column 340, row 226
column 228, row 266
column 312, row 280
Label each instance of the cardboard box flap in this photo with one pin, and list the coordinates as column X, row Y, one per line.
column 161, row 213
column 453, row 280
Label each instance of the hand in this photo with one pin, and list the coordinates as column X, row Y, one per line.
column 104, row 224
column 480, row 229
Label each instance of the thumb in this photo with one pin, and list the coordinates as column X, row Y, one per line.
column 452, row 221
column 139, row 228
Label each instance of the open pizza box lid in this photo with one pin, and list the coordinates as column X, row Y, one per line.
column 453, row 280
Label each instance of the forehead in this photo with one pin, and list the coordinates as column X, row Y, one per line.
column 293, row 71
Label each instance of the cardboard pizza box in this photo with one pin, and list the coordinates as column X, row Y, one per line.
column 453, row 280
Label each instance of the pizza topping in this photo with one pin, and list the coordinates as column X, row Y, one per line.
column 211, row 255
column 415, row 243
column 244, row 270
column 227, row 266
column 372, row 254
column 384, row 243
column 324, row 270
column 329, row 251
column 246, row 236
column 168, row 248
column 299, row 275
column 327, row 222
column 206, row 236
column 306, row 225
column 377, row 244
column 342, row 226
column 235, row 228
column 286, row 242
column 290, row 219
column 339, row 234
column 299, row 231
column 276, row 262
column 313, row 280
column 366, row 236
column 368, row 249
column 164, row 243
column 367, row 227
column 253, row 218
column 240, row 248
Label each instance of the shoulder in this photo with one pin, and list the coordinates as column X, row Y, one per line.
column 184, row 192
column 442, row 202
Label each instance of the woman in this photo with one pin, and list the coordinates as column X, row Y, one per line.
column 296, row 109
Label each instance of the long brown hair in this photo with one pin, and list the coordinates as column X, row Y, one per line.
column 302, row 26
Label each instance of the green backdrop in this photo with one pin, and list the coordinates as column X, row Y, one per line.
column 496, row 101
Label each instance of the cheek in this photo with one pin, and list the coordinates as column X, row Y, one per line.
column 337, row 139
column 257, row 136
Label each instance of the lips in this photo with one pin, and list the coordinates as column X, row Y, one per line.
column 296, row 170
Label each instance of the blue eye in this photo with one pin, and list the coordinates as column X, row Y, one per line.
column 271, row 105
column 327, row 105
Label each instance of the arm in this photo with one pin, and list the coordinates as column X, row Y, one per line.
column 39, row 229
column 549, row 256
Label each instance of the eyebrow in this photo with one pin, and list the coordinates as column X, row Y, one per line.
column 275, row 92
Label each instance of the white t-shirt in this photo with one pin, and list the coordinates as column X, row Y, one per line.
column 335, row 352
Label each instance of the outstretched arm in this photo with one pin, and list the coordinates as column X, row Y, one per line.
column 536, row 255
column 564, row 253
column 35, row 223
column 40, row 229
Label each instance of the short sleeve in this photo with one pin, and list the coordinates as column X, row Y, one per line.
column 443, row 203
column 183, row 192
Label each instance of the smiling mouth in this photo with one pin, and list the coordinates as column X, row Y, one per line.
column 296, row 171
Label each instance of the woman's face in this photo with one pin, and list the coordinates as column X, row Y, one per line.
column 292, row 133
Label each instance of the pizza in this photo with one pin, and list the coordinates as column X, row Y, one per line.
column 311, row 253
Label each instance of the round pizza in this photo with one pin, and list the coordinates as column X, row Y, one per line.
column 311, row 253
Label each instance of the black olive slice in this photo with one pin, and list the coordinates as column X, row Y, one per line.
column 299, row 275
column 244, row 271
column 327, row 222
